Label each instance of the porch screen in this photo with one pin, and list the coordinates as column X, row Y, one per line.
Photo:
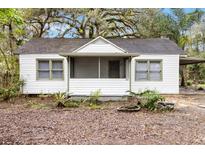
column 84, row 67
column 97, row 67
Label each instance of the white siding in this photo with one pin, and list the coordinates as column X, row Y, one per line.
column 170, row 82
column 108, row 87
column 100, row 46
column 28, row 74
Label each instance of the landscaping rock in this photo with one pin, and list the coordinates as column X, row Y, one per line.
column 133, row 108
column 165, row 106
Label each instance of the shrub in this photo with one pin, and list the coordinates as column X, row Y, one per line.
column 63, row 100
column 147, row 99
column 11, row 91
column 60, row 96
column 93, row 100
column 94, row 97
column 150, row 98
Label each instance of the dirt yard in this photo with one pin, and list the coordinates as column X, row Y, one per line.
column 22, row 123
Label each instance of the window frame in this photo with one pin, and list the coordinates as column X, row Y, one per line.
column 50, row 61
column 148, row 69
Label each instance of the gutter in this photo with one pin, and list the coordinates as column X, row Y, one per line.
column 98, row 54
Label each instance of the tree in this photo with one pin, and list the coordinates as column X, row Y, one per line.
column 180, row 23
column 89, row 23
column 10, row 33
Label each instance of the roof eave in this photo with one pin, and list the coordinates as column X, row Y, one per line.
column 99, row 54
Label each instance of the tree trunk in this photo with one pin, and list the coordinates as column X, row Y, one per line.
column 183, row 84
column 10, row 38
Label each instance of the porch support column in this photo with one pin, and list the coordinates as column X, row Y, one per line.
column 130, row 74
column 98, row 67
column 68, row 75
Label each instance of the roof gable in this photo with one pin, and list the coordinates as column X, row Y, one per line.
column 99, row 45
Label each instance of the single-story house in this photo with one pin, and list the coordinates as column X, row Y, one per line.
column 113, row 66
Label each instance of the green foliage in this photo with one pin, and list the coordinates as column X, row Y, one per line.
column 94, row 96
column 93, row 100
column 148, row 99
column 63, row 100
column 12, row 91
column 196, row 72
column 71, row 103
column 8, row 15
column 60, row 96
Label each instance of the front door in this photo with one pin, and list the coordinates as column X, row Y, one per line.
column 114, row 69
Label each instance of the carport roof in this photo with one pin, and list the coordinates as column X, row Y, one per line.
column 191, row 60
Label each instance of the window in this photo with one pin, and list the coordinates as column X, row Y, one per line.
column 148, row 70
column 50, row 69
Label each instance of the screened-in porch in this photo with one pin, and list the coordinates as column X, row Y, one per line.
column 98, row 67
column 110, row 75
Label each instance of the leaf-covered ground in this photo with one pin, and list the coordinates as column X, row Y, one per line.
column 21, row 122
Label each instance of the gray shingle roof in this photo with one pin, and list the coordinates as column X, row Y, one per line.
column 63, row 45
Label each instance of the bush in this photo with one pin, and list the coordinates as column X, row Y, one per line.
column 150, row 98
column 11, row 91
column 93, row 100
column 62, row 100
column 94, row 97
column 60, row 96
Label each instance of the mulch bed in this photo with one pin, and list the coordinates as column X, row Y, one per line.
column 22, row 125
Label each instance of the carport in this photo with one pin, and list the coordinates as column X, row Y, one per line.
column 184, row 61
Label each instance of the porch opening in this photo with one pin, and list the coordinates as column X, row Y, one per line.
column 98, row 67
